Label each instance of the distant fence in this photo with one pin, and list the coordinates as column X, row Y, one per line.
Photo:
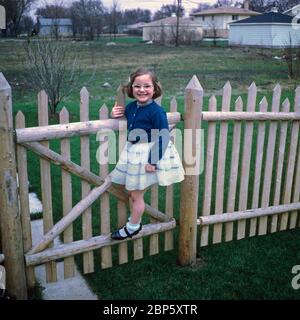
column 250, row 184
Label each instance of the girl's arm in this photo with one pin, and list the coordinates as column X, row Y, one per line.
column 161, row 139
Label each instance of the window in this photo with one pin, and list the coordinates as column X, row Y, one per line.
column 234, row 17
column 212, row 18
column 203, row 18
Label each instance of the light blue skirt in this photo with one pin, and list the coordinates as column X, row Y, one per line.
column 130, row 169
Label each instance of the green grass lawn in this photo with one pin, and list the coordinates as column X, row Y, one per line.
column 256, row 268
column 253, row 268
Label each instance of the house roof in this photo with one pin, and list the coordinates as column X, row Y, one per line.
column 270, row 17
column 170, row 21
column 293, row 11
column 58, row 22
column 138, row 25
column 225, row 10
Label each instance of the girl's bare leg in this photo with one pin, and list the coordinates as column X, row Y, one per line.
column 133, row 226
column 137, row 206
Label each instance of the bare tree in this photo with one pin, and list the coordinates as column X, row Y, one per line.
column 87, row 16
column 115, row 18
column 286, row 4
column 201, row 7
column 223, row 3
column 186, row 34
column 255, row 5
column 27, row 25
column 213, row 32
column 266, row 5
column 136, row 15
column 52, row 66
column 15, row 10
column 57, row 10
column 167, row 10
column 291, row 55
column 177, row 22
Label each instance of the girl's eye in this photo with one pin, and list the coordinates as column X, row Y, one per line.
column 144, row 86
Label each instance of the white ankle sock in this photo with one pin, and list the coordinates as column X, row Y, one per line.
column 130, row 227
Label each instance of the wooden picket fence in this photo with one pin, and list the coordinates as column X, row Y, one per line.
column 264, row 139
column 275, row 153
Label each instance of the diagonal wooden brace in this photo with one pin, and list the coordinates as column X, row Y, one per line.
column 86, row 175
column 70, row 217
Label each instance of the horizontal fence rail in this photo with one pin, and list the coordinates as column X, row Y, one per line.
column 251, row 213
column 80, row 246
column 60, row 131
column 250, row 116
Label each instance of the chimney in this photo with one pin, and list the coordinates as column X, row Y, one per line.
column 274, row 9
column 246, row 4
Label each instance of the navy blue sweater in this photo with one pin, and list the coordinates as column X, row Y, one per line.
column 148, row 117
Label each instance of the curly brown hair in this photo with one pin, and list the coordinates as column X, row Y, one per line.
column 140, row 72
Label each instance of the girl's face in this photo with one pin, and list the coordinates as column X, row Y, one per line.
column 142, row 88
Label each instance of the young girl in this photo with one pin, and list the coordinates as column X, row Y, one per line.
column 149, row 157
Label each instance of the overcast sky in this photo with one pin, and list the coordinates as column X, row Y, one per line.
column 152, row 5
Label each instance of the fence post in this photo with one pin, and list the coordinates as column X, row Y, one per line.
column 190, row 185
column 10, row 222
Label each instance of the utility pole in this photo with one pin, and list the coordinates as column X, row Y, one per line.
column 177, row 22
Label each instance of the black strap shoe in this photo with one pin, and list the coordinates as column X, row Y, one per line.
column 115, row 235
column 4, row 295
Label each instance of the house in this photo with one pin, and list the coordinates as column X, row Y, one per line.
column 55, row 27
column 272, row 29
column 216, row 21
column 136, row 29
column 164, row 30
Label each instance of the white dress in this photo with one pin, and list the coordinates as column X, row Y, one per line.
column 130, row 169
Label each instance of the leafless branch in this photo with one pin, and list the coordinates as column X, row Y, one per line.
column 53, row 66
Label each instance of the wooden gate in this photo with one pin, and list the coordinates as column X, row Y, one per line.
column 37, row 139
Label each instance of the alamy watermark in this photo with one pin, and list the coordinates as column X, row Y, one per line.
column 2, row 18
column 189, row 145
column 296, row 279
